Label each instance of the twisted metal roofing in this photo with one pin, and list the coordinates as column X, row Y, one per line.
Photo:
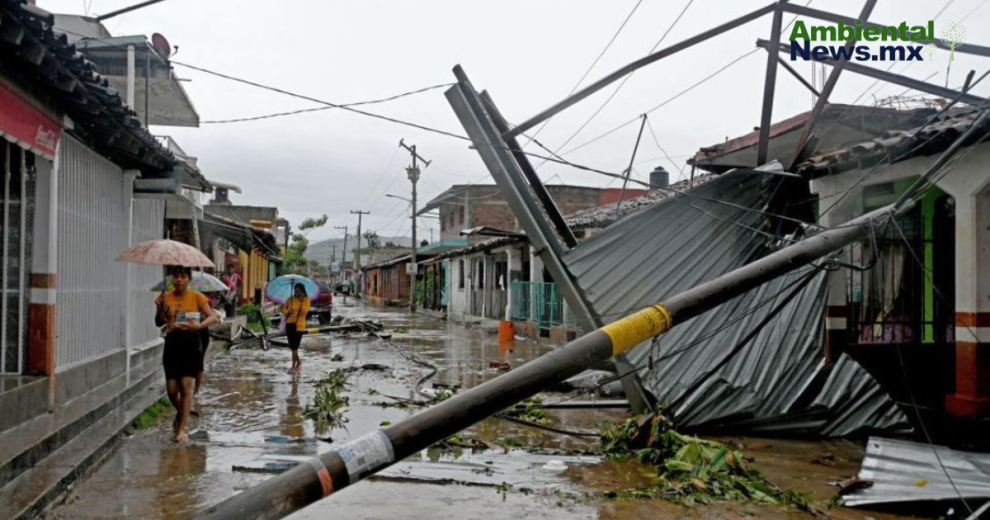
column 778, row 382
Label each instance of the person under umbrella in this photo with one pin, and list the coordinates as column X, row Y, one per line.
column 294, row 310
column 183, row 312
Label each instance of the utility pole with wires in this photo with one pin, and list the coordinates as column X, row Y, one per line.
column 343, row 260
column 413, row 173
column 357, row 252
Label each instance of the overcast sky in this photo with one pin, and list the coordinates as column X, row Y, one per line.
column 527, row 54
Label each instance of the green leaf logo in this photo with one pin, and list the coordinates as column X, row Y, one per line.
column 953, row 35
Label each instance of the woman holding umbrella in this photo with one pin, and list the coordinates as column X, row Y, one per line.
column 184, row 313
column 294, row 310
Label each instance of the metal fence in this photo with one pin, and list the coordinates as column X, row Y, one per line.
column 539, row 302
column 16, row 220
column 91, row 288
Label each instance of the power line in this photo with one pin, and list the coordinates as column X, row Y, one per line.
column 622, row 83
column 381, row 177
column 680, row 167
column 889, row 157
column 322, row 102
column 681, row 93
column 320, row 109
column 592, row 66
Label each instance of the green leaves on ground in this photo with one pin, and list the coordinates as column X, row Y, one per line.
column 330, row 403
column 529, row 411
column 689, row 469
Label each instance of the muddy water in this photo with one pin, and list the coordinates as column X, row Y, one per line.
column 251, row 426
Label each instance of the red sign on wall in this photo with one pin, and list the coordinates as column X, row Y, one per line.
column 26, row 125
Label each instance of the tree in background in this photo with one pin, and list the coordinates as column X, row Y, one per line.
column 295, row 261
column 372, row 239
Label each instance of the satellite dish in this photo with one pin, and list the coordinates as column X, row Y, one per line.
column 161, row 44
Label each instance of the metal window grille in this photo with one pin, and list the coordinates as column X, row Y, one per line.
column 540, row 302
column 16, row 220
column 92, row 220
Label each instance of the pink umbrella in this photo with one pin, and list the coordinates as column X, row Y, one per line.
column 165, row 252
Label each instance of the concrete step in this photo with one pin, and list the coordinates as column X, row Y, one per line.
column 25, row 445
column 49, row 477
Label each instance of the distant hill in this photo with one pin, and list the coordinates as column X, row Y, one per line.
column 322, row 251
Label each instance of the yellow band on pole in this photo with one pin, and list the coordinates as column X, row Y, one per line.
column 636, row 328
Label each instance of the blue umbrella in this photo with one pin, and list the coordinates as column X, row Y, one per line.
column 281, row 289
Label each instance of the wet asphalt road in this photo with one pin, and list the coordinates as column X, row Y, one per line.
column 251, row 426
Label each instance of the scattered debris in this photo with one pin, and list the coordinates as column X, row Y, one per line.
column 689, row 469
column 330, row 403
column 905, row 471
column 529, row 410
column 338, row 357
column 501, row 365
column 825, row 460
column 851, row 485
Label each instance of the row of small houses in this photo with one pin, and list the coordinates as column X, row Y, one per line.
column 924, row 297
column 81, row 179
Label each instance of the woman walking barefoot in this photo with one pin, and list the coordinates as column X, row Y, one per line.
column 295, row 310
column 184, row 313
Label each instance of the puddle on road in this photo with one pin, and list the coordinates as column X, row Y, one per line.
column 252, row 420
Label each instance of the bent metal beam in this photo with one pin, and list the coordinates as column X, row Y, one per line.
column 360, row 458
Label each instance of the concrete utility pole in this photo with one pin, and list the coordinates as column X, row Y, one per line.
column 359, row 458
column 344, row 257
column 413, row 173
column 357, row 254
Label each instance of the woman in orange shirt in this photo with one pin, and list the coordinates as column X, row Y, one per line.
column 184, row 313
column 295, row 310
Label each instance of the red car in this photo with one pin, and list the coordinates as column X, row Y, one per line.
column 322, row 305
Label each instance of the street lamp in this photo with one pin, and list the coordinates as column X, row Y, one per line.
column 398, row 197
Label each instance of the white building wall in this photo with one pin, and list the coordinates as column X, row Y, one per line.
column 92, row 223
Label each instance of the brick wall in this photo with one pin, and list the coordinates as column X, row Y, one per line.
column 486, row 206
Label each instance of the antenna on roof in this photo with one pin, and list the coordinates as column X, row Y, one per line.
column 126, row 10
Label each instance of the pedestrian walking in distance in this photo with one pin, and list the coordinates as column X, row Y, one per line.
column 183, row 312
column 294, row 310
column 233, row 281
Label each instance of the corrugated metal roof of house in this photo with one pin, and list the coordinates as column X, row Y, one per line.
column 779, row 381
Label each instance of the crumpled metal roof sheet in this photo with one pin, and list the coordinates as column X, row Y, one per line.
column 779, row 382
column 904, row 471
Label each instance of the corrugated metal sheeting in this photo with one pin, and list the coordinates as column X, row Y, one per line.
column 904, row 471
column 777, row 382
column 92, row 220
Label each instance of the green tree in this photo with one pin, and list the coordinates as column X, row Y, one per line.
column 295, row 261
column 372, row 239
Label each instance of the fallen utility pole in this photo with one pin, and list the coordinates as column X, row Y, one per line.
column 359, row 458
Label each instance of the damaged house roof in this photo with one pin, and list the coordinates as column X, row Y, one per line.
column 839, row 125
column 777, row 379
column 897, row 145
column 58, row 73
column 602, row 216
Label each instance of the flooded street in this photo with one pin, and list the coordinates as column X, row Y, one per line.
column 251, row 426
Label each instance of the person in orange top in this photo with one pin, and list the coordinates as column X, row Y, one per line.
column 183, row 312
column 295, row 310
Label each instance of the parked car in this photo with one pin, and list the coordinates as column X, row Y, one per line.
column 342, row 288
column 322, row 305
